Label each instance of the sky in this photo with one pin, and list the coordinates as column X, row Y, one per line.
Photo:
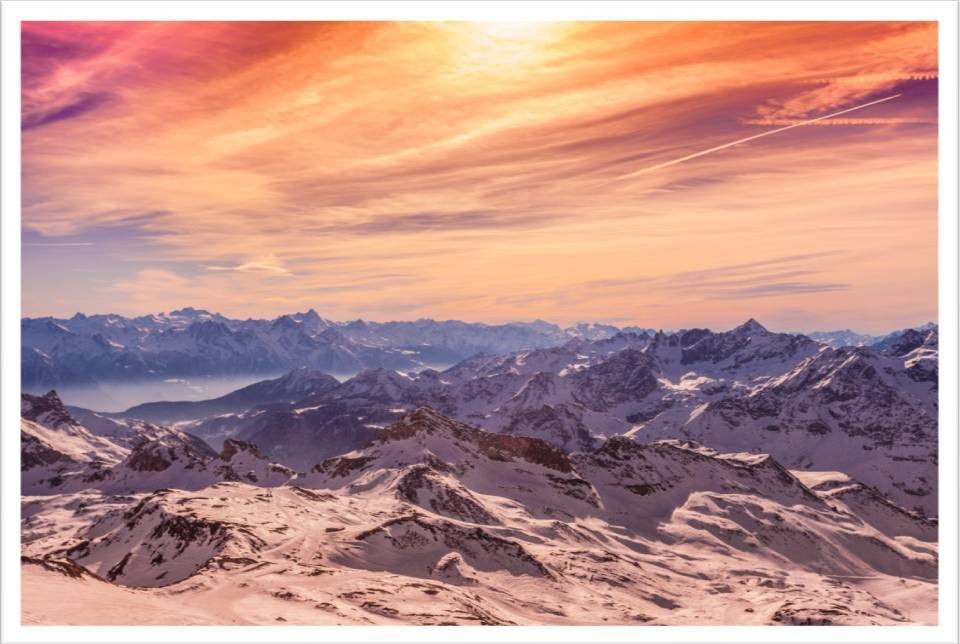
column 484, row 171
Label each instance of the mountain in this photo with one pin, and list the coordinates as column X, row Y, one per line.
column 868, row 412
column 60, row 455
column 192, row 342
column 195, row 342
column 55, row 443
column 287, row 389
column 438, row 522
column 851, row 409
column 848, row 338
column 843, row 338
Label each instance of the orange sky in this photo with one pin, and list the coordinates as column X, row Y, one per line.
column 484, row 172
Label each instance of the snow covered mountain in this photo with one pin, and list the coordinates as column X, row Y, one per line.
column 57, row 352
column 613, row 476
column 438, row 522
column 60, row 455
column 868, row 412
column 192, row 342
column 848, row 338
column 850, row 409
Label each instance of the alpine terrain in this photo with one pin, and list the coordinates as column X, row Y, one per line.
column 532, row 475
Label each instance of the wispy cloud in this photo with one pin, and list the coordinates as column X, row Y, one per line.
column 251, row 267
column 56, row 244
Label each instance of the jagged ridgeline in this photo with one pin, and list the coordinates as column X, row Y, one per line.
column 736, row 477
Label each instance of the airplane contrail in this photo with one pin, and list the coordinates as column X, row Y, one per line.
column 757, row 136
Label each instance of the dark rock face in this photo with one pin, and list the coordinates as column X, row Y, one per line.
column 424, row 486
column 477, row 546
column 558, row 424
column 627, row 375
column 494, row 446
column 48, row 408
column 151, row 457
column 61, row 566
column 166, row 549
column 159, row 455
column 910, row 340
column 232, row 447
column 35, row 453
column 343, row 466
column 747, row 343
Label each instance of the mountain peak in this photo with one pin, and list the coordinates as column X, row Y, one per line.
column 305, row 380
column 189, row 311
column 751, row 326
column 285, row 322
column 47, row 409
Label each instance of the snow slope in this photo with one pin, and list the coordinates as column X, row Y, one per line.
column 437, row 522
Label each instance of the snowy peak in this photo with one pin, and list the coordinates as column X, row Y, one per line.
column 750, row 327
column 312, row 321
column 47, row 425
column 286, row 323
column 913, row 339
column 190, row 312
column 750, row 344
column 379, row 384
column 47, row 410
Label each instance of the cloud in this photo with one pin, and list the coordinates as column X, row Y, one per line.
column 83, row 103
column 57, row 244
column 776, row 289
column 251, row 267
column 478, row 168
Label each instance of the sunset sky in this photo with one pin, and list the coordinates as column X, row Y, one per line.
column 484, row 172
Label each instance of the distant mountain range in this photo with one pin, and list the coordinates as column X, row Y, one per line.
column 191, row 342
column 848, row 338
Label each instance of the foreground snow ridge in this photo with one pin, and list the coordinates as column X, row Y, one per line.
column 435, row 521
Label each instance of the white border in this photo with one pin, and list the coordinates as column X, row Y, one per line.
column 13, row 12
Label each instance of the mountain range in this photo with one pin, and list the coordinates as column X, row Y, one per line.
column 607, row 476
column 438, row 522
column 193, row 342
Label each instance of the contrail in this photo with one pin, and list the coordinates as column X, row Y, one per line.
column 757, row 136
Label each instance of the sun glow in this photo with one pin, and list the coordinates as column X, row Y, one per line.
column 504, row 45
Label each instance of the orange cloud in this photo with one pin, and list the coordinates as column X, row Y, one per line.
column 453, row 169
